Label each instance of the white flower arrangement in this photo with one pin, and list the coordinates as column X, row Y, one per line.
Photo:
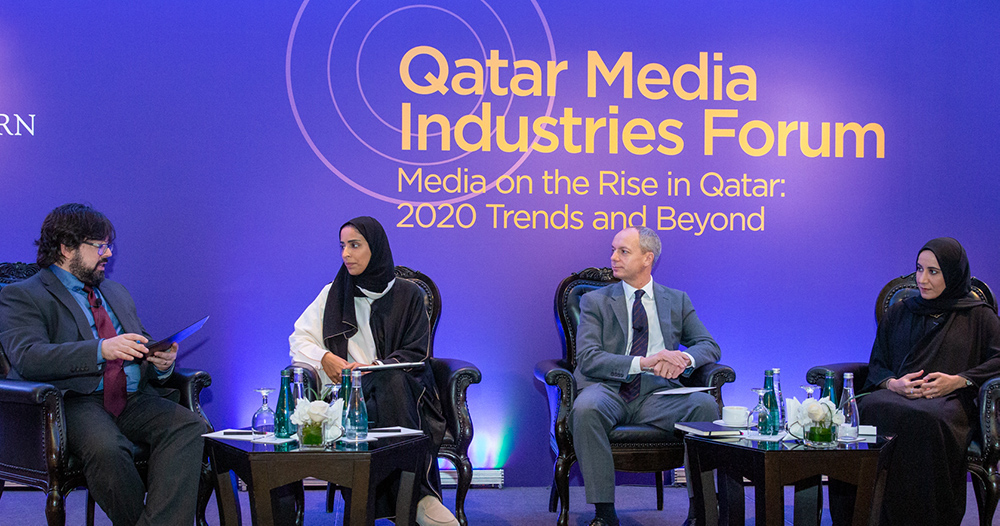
column 316, row 412
column 814, row 411
column 321, row 414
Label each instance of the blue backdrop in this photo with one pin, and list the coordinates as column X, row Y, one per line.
column 229, row 140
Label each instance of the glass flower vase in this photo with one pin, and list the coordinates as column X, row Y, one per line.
column 820, row 435
column 311, row 436
column 332, row 432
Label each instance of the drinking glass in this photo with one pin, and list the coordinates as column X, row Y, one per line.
column 809, row 389
column 332, row 393
column 758, row 408
column 263, row 419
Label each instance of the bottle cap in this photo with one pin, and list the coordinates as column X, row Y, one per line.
column 829, row 373
column 286, row 372
column 777, row 370
column 848, row 376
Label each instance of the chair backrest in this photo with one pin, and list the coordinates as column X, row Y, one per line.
column 432, row 297
column 905, row 287
column 567, row 303
column 12, row 273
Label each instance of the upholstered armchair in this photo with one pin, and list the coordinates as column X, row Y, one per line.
column 636, row 448
column 453, row 379
column 33, row 431
column 984, row 452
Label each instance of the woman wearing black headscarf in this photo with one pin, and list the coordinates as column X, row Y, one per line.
column 364, row 317
column 931, row 354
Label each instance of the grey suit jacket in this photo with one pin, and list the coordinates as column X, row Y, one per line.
column 602, row 336
column 47, row 337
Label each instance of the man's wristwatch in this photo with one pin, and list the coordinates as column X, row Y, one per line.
column 968, row 383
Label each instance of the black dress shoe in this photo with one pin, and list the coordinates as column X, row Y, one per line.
column 599, row 521
column 690, row 521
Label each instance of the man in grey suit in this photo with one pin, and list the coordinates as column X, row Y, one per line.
column 70, row 327
column 628, row 329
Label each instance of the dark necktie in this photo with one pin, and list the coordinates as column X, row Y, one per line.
column 114, row 370
column 640, row 342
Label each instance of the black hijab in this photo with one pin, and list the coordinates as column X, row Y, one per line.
column 957, row 279
column 340, row 317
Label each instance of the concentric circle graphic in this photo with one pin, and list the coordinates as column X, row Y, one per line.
column 361, row 90
column 357, row 137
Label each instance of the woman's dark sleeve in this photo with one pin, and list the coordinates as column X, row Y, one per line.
column 880, row 363
column 988, row 336
column 414, row 341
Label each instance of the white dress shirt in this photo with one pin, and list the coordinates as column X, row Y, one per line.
column 655, row 343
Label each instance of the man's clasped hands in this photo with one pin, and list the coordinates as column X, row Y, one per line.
column 666, row 363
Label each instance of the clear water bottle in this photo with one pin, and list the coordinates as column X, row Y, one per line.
column 780, row 397
column 299, row 390
column 357, row 413
column 849, row 406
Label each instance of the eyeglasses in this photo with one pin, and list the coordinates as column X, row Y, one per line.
column 102, row 248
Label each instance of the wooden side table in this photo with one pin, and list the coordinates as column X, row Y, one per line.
column 265, row 468
column 772, row 465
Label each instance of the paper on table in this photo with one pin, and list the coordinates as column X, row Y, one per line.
column 256, row 438
column 753, row 435
column 343, row 440
column 396, row 431
column 683, row 390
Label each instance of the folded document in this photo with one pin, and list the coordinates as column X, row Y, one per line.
column 248, row 436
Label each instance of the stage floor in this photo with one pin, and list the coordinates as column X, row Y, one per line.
column 485, row 507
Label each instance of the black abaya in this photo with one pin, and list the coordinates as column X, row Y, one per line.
column 952, row 334
column 401, row 331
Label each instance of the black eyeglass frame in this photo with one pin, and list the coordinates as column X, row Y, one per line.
column 102, row 248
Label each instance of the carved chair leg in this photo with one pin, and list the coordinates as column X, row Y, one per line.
column 562, row 488
column 553, row 497
column 979, row 489
column 55, row 508
column 659, row 490
column 986, row 513
column 464, row 468
column 987, row 489
column 91, row 505
column 205, row 487
column 1, row 488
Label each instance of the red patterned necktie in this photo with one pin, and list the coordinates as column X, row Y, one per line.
column 114, row 370
column 640, row 342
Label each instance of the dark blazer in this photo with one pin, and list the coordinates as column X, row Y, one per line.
column 47, row 337
column 601, row 339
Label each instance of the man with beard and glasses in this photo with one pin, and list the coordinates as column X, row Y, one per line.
column 69, row 326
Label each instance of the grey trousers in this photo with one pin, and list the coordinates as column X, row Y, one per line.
column 598, row 408
column 104, row 443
